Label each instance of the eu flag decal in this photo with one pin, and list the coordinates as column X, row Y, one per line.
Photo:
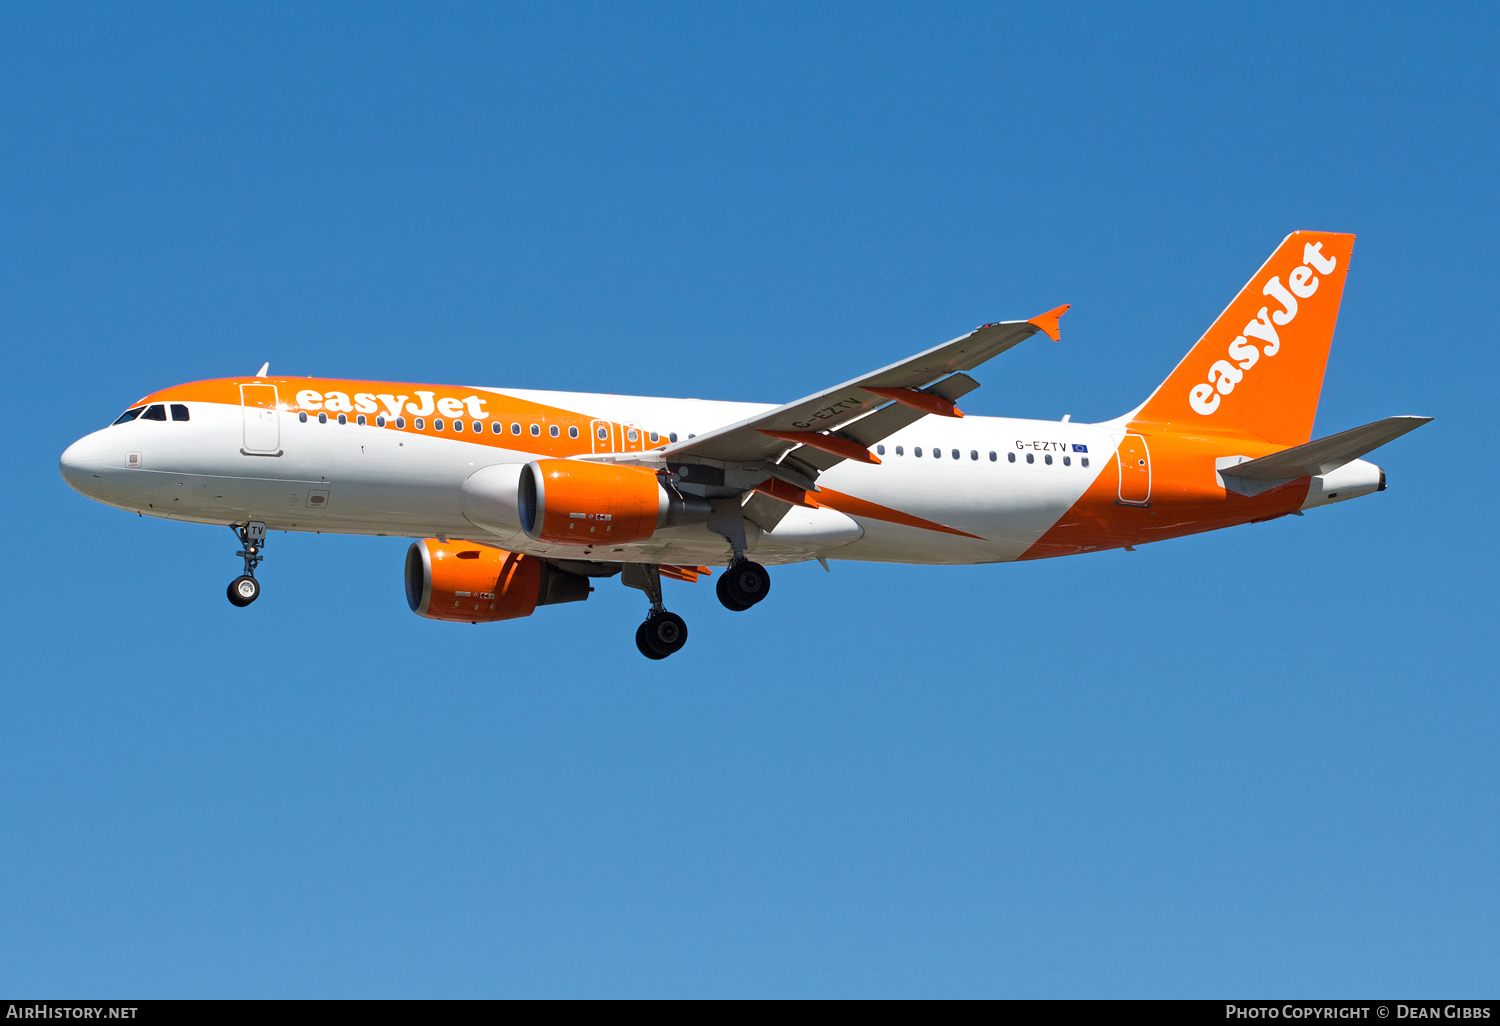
column 1080, row 448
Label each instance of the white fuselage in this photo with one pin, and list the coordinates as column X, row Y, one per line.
column 352, row 479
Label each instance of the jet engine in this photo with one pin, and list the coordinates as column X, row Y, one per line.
column 467, row 582
column 572, row 502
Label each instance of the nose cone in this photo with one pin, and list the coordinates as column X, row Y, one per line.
column 82, row 464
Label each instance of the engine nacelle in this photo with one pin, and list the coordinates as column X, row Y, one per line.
column 467, row 582
column 489, row 498
column 573, row 502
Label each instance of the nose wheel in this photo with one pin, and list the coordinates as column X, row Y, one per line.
column 245, row 589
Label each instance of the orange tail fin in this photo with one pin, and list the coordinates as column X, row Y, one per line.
column 1258, row 370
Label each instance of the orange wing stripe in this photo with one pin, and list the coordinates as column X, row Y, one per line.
column 874, row 511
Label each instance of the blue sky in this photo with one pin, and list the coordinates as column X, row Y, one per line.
column 1257, row 762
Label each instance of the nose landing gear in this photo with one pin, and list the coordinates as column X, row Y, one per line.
column 245, row 589
column 663, row 633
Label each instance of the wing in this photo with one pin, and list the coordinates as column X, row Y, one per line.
column 842, row 422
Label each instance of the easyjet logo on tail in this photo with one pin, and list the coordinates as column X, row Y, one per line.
column 1301, row 283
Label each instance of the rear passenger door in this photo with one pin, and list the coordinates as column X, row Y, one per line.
column 1134, row 460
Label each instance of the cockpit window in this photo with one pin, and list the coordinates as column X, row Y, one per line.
column 157, row 412
column 179, row 412
column 129, row 415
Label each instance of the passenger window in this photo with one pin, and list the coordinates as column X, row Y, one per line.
column 917, row 451
column 973, row 454
column 322, row 418
column 1010, row 457
column 380, row 422
column 129, row 415
column 937, row 454
column 1084, row 460
column 1048, row 458
column 631, row 435
column 515, row 429
column 419, row 424
column 496, row 427
column 179, row 412
column 671, row 438
column 437, row 424
column 401, row 422
column 1067, row 461
column 604, row 434
column 880, row 450
column 992, row 456
column 343, row 419
column 458, row 425
column 573, row 433
column 1030, row 458
column 302, row 416
column 954, row 454
column 360, row 420
column 536, row 431
column 157, row 412
column 900, row 451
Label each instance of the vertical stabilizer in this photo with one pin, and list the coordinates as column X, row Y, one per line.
column 1258, row 370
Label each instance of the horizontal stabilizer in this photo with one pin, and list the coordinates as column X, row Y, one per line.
column 1324, row 455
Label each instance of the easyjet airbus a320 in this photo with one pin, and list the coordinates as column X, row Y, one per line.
column 522, row 498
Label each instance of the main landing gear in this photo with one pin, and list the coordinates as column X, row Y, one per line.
column 663, row 633
column 742, row 585
column 245, row 589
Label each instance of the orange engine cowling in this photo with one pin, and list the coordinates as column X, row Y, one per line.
column 470, row 582
column 572, row 502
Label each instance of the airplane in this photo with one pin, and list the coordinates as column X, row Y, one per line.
column 521, row 498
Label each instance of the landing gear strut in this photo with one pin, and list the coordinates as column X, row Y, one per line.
column 245, row 589
column 663, row 633
column 742, row 585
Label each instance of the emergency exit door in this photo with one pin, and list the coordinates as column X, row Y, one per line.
column 262, row 426
column 603, row 434
column 1134, row 460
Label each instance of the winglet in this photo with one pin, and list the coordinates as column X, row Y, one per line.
column 263, row 368
column 1048, row 321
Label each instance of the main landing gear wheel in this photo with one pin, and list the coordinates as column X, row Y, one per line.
column 721, row 588
column 662, row 634
column 742, row 585
column 244, row 590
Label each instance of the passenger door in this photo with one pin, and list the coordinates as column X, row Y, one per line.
column 262, row 424
column 1134, row 460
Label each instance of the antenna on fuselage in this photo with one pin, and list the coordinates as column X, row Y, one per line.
column 263, row 368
